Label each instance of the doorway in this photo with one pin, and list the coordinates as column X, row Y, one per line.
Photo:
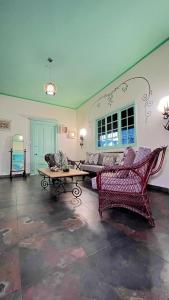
column 43, row 141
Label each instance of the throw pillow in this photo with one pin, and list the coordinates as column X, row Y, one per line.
column 108, row 161
column 129, row 155
column 92, row 158
column 95, row 158
column 119, row 159
column 87, row 158
column 141, row 154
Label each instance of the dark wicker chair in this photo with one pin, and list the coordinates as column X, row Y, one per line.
column 126, row 187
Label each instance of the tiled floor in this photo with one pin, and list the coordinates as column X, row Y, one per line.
column 59, row 250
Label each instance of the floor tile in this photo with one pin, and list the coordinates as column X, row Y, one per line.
column 10, row 280
column 60, row 249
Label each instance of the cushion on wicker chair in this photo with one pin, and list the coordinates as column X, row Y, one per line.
column 141, row 154
column 129, row 156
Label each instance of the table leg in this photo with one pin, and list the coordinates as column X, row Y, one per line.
column 44, row 183
column 77, row 191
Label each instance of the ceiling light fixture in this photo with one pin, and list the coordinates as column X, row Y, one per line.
column 50, row 88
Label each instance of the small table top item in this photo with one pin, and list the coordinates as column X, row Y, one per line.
column 59, row 174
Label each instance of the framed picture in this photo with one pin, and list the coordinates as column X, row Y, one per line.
column 63, row 129
column 5, row 124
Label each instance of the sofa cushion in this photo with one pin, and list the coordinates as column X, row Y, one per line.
column 92, row 158
column 141, row 154
column 112, row 183
column 121, row 185
column 102, row 156
column 94, row 183
column 129, row 156
column 119, row 158
column 109, row 161
column 100, row 160
column 91, row 168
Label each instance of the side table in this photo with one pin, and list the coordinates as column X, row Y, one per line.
column 78, row 163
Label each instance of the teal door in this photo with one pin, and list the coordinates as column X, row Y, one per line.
column 43, row 141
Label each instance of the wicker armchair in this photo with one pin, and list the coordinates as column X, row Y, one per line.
column 127, row 186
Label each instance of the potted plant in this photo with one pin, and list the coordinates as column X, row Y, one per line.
column 65, row 168
column 63, row 162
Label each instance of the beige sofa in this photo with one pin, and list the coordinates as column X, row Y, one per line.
column 104, row 159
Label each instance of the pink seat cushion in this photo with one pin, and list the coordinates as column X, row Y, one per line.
column 121, row 184
column 94, row 184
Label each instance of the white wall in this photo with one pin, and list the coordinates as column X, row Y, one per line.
column 150, row 131
column 20, row 112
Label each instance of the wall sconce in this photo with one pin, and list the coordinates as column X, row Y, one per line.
column 83, row 133
column 166, row 116
column 164, row 108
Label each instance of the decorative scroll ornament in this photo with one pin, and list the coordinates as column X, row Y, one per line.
column 108, row 98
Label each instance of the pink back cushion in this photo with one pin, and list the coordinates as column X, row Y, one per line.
column 129, row 156
column 141, row 154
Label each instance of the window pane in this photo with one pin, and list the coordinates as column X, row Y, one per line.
column 131, row 135
column 109, row 135
column 103, row 144
column 115, row 125
column 124, row 134
column 99, row 129
column 99, row 144
column 123, row 114
column 103, row 121
column 123, row 122
column 114, row 117
column 109, row 126
column 109, row 119
column 109, row 143
column 131, row 111
column 130, row 121
column 115, row 137
column 103, row 137
column 99, row 123
column 103, row 129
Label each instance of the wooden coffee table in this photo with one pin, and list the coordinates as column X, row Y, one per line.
column 58, row 180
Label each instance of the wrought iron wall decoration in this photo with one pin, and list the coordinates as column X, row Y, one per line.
column 108, row 98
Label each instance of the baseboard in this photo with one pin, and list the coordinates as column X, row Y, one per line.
column 16, row 175
column 4, row 176
column 158, row 188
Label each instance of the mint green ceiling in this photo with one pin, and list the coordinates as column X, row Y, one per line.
column 91, row 41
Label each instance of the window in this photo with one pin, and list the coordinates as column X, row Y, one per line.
column 116, row 129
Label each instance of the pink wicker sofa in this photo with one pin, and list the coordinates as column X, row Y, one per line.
column 126, row 186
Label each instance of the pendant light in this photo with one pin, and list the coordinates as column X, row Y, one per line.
column 50, row 88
